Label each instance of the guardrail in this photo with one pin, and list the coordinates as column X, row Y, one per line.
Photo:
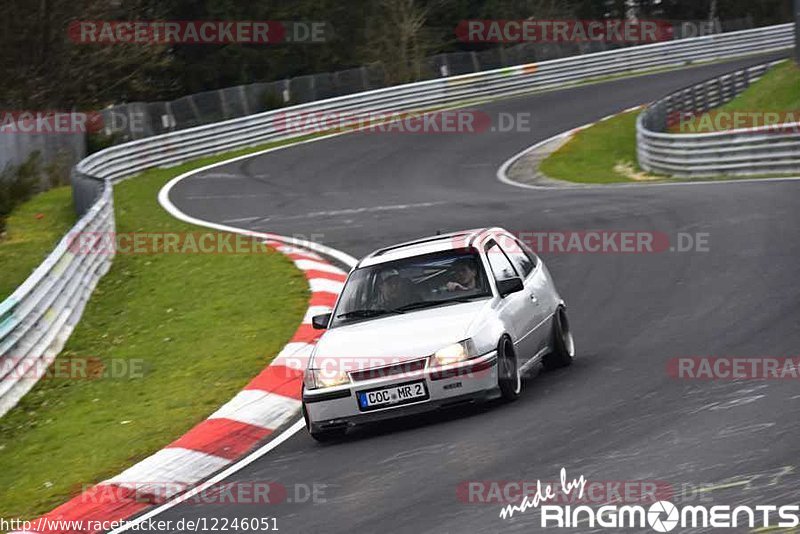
column 38, row 318
column 93, row 176
column 741, row 152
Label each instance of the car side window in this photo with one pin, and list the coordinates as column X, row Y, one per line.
column 528, row 252
column 523, row 261
column 502, row 269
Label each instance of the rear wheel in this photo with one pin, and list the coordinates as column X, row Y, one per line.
column 323, row 436
column 508, row 376
column 563, row 344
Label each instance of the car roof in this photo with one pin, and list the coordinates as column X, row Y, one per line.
column 427, row 245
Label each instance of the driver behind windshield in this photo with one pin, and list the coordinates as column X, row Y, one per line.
column 464, row 277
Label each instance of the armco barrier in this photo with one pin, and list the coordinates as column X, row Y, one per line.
column 49, row 303
column 37, row 319
column 742, row 152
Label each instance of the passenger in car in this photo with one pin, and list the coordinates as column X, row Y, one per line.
column 396, row 291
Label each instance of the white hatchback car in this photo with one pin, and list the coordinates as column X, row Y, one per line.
column 433, row 323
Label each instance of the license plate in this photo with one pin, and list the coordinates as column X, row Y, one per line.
column 392, row 396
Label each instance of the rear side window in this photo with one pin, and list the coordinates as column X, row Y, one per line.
column 502, row 269
column 523, row 261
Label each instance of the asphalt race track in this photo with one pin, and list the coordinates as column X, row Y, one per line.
column 616, row 415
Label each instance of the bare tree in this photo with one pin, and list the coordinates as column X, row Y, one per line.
column 42, row 67
column 712, row 11
column 395, row 37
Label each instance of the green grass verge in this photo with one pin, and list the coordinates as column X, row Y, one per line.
column 777, row 91
column 32, row 230
column 597, row 154
column 606, row 152
column 200, row 326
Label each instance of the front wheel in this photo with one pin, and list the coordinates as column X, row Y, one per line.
column 508, row 376
column 563, row 344
column 326, row 436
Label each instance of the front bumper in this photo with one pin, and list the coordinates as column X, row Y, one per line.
column 464, row 382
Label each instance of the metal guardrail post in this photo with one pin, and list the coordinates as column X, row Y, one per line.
column 797, row 31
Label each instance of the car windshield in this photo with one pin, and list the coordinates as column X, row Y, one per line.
column 416, row 283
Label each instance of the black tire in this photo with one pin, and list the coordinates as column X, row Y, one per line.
column 508, row 376
column 326, row 436
column 323, row 436
column 563, row 344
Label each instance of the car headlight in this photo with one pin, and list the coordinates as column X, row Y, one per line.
column 457, row 352
column 319, row 378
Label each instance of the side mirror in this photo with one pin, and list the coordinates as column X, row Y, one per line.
column 320, row 322
column 506, row 287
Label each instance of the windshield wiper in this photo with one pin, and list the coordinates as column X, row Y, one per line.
column 432, row 303
column 374, row 312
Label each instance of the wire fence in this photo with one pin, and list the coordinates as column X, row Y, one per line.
column 18, row 143
column 138, row 120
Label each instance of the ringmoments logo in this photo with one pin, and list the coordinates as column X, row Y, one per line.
column 661, row 516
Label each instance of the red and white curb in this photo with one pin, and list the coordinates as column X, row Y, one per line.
column 224, row 442
column 270, row 400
